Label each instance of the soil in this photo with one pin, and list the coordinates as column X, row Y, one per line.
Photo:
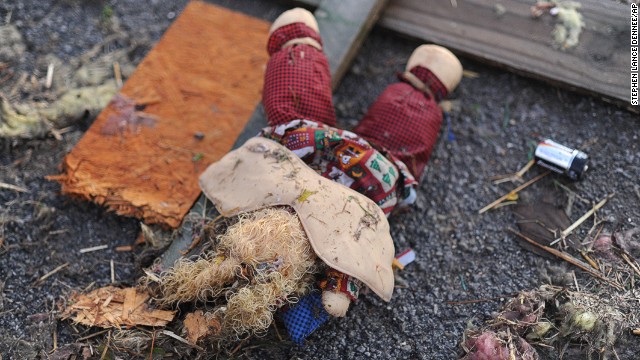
column 460, row 255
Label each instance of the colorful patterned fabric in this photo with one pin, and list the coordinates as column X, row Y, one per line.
column 337, row 281
column 304, row 317
column 406, row 121
column 348, row 159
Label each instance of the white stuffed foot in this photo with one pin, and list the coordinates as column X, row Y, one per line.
column 335, row 303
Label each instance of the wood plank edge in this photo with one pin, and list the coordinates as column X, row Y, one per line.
column 397, row 27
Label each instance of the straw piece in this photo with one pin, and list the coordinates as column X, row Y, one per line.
column 514, row 191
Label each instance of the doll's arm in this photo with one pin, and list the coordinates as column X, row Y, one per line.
column 338, row 291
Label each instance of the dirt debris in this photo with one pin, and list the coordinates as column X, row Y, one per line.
column 70, row 90
column 199, row 325
column 114, row 307
column 11, row 43
column 556, row 317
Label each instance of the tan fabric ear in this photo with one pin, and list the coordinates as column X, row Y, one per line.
column 442, row 63
column 294, row 16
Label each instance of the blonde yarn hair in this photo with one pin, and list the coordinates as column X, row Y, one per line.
column 261, row 263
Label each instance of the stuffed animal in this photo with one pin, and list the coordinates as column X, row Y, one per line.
column 309, row 201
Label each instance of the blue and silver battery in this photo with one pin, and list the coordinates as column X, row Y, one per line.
column 561, row 159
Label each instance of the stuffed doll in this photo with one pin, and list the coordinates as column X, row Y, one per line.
column 309, row 201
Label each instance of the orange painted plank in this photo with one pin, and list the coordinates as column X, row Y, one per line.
column 204, row 76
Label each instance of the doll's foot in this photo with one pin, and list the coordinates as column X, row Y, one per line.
column 297, row 15
column 335, row 303
column 434, row 70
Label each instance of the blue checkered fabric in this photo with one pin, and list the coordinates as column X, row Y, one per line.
column 305, row 317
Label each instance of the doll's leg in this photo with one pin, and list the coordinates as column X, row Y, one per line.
column 405, row 119
column 251, row 308
column 297, row 82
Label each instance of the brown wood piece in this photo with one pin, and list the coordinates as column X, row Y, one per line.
column 203, row 77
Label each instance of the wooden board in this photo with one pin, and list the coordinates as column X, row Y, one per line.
column 201, row 82
column 598, row 65
column 343, row 25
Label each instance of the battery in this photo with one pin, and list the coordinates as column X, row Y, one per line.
column 561, row 159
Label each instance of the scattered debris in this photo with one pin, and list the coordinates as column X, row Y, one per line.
column 13, row 187
column 65, row 352
column 135, row 339
column 553, row 316
column 514, row 191
column 627, row 244
column 561, row 159
column 496, row 345
column 126, row 118
column 566, row 34
column 113, row 307
column 584, row 217
column 517, row 176
column 93, row 248
column 49, row 274
column 541, row 222
column 71, row 90
column 404, row 258
column 49, row 80
column 118, row 74
column 568, row 258
column 541, row 7
column 12, row 46
column 113, row 271
column 470, row 75
column 181, row 339
column 153, row 236
column 199, row 325
column 474, row 301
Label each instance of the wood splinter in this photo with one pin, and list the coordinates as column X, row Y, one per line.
column 49, row 80
column 584, row 217
column 50, row 273
column 514, row 191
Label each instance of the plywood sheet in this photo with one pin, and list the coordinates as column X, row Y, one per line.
column 196, row 90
